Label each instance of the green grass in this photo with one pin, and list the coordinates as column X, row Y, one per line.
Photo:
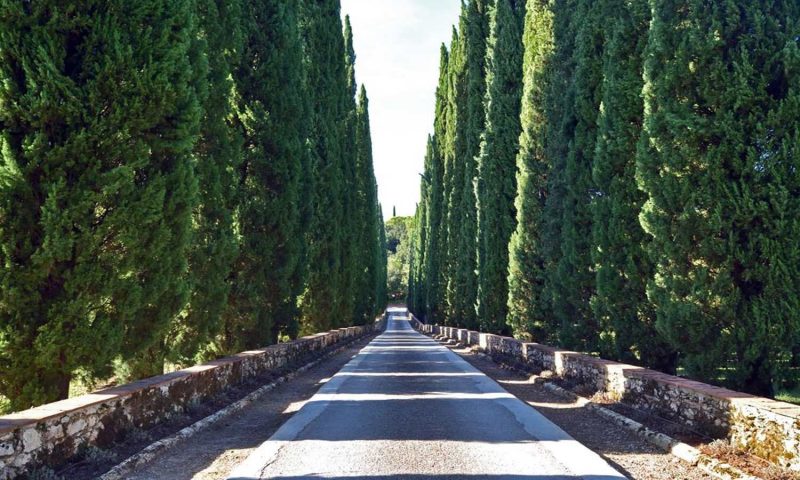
column 791, row 395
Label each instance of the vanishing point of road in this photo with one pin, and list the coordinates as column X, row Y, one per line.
column 406, row 407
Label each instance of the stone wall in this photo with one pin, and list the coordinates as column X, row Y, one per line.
column 764, row 427
column 52, row 433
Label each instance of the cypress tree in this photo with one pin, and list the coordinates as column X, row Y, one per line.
column 573, row 276
column 528, row 311
column 218, row 155
column 469, row 115
column 496, row 186
column 324, row 46
column 382, row 292
column 267, row 277
column 350, row 227
column 98, row 119
column 418, row 276
column 622, row 268
column 560, row 120
column 366, row 219
column 434, row 239
column 450, row 145
column 717, row 160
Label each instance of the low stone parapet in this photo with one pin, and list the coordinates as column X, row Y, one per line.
column 767, row 428
column 50, row 434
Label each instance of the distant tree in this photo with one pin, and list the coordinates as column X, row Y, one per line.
column 495, row 186
column 399, row 232
column 560, row 120
column 528, row 304
column 98, row 118
column 717, row 160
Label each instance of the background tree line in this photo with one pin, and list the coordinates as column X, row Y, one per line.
column 620, row 177
column 179, row 180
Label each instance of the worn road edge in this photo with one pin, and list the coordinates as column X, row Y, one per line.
column 150, row 452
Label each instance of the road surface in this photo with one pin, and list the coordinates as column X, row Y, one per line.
column 408, row 408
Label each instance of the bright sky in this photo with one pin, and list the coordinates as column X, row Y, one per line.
column 397, row 58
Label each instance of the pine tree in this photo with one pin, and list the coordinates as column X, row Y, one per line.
column 495, row 186
column 267, row 277
column 435, row 236
column 622, row 268
column 366, row 220
column 218, row 156
column 717, row 160
column 573, row 277
column 528, row 311
column 98, row 119
column 324, row 46
column 469, row 115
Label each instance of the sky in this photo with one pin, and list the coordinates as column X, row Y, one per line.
column 397, row 59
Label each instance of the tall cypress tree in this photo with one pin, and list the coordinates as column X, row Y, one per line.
column 495, row 186
column 434, row 239
column 349, row 229
column 267, row 279
column 528, row 311
column 365, row 219
column 620, row 303
column 462, row 289
column 450, row 144
column 218, row 156
column 573, row 280
column 98, row 119
column 324, row 46
column 717, row 160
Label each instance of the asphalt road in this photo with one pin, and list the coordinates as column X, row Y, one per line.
column 408, row 408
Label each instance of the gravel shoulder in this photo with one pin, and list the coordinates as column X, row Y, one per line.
column 627, row 452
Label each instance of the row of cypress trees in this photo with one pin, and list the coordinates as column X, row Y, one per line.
column 179, row 180
column 636, row 187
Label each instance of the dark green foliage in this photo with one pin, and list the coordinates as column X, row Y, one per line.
column 571, row 275
column 321, row 300
column 495, row 187
column 98, row 118
column 268, row 273
column 382, row 292
column 620, row 303
column 469, row 116
column 718, row 161
column 218, row 157
column 368, row 252
column 528, row 311
column 435, row 225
